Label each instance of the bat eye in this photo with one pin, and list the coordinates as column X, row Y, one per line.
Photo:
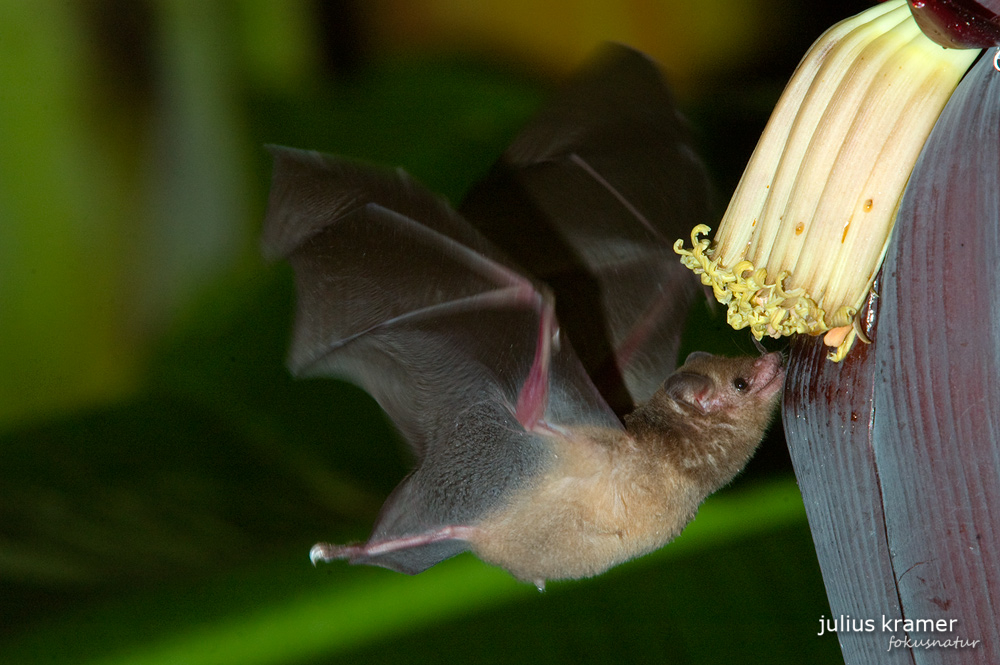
column 740, row 384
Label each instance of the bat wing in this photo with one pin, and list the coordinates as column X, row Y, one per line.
column 606, row 178
column 398, row 294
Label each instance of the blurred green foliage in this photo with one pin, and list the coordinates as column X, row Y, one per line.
column 161, row 476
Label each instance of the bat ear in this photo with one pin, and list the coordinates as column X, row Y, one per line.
column 696, row 356
column 694, row 389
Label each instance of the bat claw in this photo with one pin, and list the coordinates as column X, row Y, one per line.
column 325, row 552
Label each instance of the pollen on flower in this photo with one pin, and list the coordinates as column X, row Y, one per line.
column 752, row 301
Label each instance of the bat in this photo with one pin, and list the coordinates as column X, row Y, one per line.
column 547, row 463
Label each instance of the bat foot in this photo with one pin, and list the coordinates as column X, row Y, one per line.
column 327, row 552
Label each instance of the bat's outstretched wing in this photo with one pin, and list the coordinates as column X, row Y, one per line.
column 603, row 181
column 398, row 294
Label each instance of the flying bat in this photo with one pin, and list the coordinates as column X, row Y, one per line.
column 543, row 463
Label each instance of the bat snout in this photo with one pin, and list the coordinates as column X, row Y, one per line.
column 769, row 375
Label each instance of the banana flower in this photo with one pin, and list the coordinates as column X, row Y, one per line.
column 807, row 228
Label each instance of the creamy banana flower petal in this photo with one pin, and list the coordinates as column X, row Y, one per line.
column 808, row 225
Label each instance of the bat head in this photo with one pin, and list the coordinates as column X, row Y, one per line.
column 711, row 414
column 711, row 384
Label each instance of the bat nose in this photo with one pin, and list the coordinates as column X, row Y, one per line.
column 768, row 361
column 769, row 373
